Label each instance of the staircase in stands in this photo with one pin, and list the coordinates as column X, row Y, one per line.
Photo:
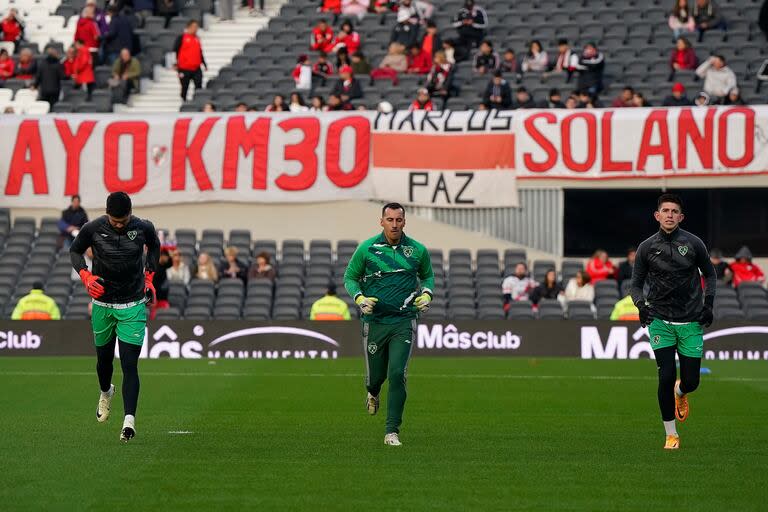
column 221, row 40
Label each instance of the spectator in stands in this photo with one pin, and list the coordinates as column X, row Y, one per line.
column 120, row 34
column 296, row 103
column 744, row 270
column 431, row 42
column 331, row 6
column 509, row 62
column 99, row 16
column 638, row 100
column 347, row 88
column 722, row 269
column 168, row 9
column 682, row 57
column 625, row 310
column 125, row 76
column 550, row 289
column 572, row 102
column 205, row 268
column 590, row 66
column 406, row 30
column 26, row 66
column 449, row 50
column 160, row 282
column 189, row 58
column 143, row 9
column 49, row 75
column 330, row 307
column 322, row 69
column 322, row 39
column 719, row 79
column 707, row 16
column 12, row 28
column 681, row 19
column 678, row 98
column 439, row 80
column 302, row 74
column 36, row 306
column 702, row 100
column 9, row 110
column 241, row 107
column 471, row 22
column 422, row 101
column 357, row 8
column 600, row 267
column 587, row 100
column 625, row 267
column 178, row 272
column 342, row 58
column 554, row 99
column 564, row 62
column 261, row 268
column 72, row 219
column 523, row 98
column 347, row 38
column 317, row 104
column 419, row 61
column 394, row 62
column 415, row 10
column 6, row 66
column 277, row 105
column 624, row 99
column 580, row 288
column 337, row 104
column 209, row 107
column 88, row 31
column 83, row 72
column 69, row 61
column 360, row 64
column 518, row 286
column 231, row 267
column 486, row 59
column 536, row 59
column 734, row 97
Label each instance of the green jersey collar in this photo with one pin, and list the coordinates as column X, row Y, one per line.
column 383, row 240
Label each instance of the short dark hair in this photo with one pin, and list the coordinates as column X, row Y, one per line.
column 669, row 198
column 76, row 196
column 331, row 289
column 118, row 204
column 192, row 22
column 562, row 41
column 392, row 206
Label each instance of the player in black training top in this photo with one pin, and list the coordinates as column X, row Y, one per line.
column 666, row 288
column 120, row 284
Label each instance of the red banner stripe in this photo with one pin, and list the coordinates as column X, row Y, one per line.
column 443, row 152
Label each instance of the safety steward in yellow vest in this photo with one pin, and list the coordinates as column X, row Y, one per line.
column 36, row 306
column 329, row 307
column 625, row 309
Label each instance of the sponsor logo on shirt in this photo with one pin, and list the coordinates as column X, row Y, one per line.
column 683, row 250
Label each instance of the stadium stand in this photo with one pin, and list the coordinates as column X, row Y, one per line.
column 466, row 287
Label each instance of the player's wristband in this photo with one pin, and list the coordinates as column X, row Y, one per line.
column 428, row 292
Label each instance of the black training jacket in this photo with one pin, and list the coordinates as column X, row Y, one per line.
column 118, row 258
column 668, row 264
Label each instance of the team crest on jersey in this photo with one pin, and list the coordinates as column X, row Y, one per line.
column 132, row 235
column 408, row 251
column 656, row 339
column 683, row 250
column 372, row 348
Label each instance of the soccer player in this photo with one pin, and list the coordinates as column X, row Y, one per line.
column 668, row 266
column 120, row 284
column 390, row 277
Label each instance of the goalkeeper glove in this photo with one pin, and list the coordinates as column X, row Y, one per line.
column 706, row 317
column 422, row 302
column 645, row 314
column 366, row 304
column 93, row 284
column 149, row 287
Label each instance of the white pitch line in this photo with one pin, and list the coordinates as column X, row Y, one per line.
column 180, row 432
column 416, row 376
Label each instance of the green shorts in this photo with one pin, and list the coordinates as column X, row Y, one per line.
column 688, row 338
column 127, row 323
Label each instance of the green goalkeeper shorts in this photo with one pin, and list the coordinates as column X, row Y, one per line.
column 688, row 337
column 127, row 324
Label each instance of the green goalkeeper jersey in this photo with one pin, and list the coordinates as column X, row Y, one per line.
column 394, row 274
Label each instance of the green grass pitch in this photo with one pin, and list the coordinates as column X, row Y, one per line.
column 479, row 434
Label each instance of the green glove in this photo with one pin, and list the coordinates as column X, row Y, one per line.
column 422, row 302
column 366, row 304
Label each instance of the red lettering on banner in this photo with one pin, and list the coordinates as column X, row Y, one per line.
column 362, row 128
column 27, row 141
column 749, row 138
column 542, row 141
column 687, row 128
column 256, row 139
column 606, row 142
column 656, row 117
column 565, row 135
column 192, row 152
column 73, row 146
column 303, row 152
column 138, row 131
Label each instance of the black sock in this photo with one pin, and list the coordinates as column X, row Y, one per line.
column 665, row 361
column 690, row 373
column 129, row 359
column 104, row 356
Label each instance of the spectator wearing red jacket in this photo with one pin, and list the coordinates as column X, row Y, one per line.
column 683, row 56
column 87, row 29
column 422, row 101
column 419, row 61
column 26, row 67
column 6, row 65
column 83, row 68
column 189, row 58
column 12, row 28
column 744, row 270
column 347, row 38
column 322, row 39
column 69, row 61
column 600, row 267
column 333, row 7
column 431, row 42
column 302, row 74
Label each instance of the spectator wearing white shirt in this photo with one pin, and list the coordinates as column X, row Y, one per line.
column 178, row 272
column 536, row 59
column 719, row 79
column 518, row 286
column 580, row 288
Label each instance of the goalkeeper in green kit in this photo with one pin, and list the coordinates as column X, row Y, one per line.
column 390, row 277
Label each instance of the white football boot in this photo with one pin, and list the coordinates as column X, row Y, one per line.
column 105, row 403
column 129, row 429
column 372, row 404
column 392, row 439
